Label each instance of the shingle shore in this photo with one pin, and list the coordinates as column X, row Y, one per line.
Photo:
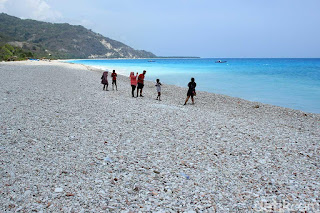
column 67, row 145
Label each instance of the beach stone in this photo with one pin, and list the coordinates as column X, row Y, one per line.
column 58, row 190
column 239, row 158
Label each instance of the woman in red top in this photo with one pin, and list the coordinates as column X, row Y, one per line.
column 114, row 79
column 141, row 83
column 133, row 79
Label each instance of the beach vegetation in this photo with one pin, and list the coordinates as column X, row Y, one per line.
column 11, row 53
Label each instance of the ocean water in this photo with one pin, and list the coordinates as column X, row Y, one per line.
column 292, row 83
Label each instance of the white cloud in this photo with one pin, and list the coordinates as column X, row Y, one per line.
column 2, row 3
column 33, row 9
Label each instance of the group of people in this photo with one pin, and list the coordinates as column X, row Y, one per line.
column 104, row 80
column 137, row 81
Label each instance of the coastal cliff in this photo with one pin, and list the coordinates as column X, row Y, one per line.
column 62, row 40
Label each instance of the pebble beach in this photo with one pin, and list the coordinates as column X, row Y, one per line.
column 68, row 146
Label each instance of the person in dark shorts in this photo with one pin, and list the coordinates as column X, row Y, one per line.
column 104, row 80
column 133, row 80
column 141, row 83
column 191, row 91
column 114, row 79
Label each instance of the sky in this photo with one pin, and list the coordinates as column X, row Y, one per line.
column 204, row 28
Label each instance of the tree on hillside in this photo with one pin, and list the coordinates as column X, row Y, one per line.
column 9, row 52
column 5, row 53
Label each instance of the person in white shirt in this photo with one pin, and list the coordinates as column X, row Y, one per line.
column 158, row 85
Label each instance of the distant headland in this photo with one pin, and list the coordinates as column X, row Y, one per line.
column 63, row 41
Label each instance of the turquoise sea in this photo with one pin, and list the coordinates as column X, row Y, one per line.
column 287, row 82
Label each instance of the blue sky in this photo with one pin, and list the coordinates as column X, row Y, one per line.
column 205, row 28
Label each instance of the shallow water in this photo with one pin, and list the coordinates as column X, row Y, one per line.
column 292, row 83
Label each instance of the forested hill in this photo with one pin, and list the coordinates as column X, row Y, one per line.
column 62, row 40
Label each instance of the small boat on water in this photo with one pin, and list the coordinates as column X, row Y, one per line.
column 219, row 61
column 151, row 61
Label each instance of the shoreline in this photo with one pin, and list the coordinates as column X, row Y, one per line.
column 254, row 103
column 300, row 97
column 67, row 145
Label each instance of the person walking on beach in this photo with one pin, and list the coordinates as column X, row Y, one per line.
column 141, row 83
column 133, row 79
column 114, row 79
column 158, row 85
column 104, row 80
column 191, row 91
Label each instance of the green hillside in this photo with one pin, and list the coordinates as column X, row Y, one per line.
column 62, row 40
column 11, row 53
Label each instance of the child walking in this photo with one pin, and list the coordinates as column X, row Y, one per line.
column 158, row 85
